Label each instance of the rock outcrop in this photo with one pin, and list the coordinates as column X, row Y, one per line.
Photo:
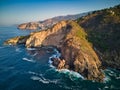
column 29, row 26
column 76, row 52
column 16, row 40
column 51, row 36
column 59, row 63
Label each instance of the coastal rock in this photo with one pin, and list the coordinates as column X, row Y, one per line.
column 51, row 36
column 76, row 52
column 16, row 40
column 29, row 26
column 59, row 63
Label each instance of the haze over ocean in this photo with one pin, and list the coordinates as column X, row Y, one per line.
column 19, row 11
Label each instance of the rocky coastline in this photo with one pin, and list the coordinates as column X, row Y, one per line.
column 77, row 53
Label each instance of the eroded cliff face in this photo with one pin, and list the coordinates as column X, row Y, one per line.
column 77, row 53
column 48, row 37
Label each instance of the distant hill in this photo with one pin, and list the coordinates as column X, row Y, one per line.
column 45, row 24
column 103, row 29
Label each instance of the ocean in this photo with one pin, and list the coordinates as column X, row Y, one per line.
column 30, row 69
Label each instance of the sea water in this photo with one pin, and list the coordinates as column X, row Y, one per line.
column 31, row 69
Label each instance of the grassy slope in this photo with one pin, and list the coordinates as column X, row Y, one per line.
column 103, row 29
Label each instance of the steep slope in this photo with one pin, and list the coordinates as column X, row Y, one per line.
column 103, row 29
column 77, row 53
column 45, row 24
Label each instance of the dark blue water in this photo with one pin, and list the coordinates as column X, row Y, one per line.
column 28, row 69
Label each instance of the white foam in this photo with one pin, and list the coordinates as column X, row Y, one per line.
column 56, row 55
column 39, row 79
column 118, row 77
column 34, row 73
column 111, row 74
column 106, row 87
column 71, row 73
column 26, row 59
column 50, row 62
column 109, row 71
column 9, row 44
column 67, row 87
column 34, row 54
column 99, row 89
column 31, row 49
column 48, row 80
column 17, row 50
column 106, row 79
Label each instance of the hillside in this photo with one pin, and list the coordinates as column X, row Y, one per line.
column 85, row 44
column 70, row 39
column 45, row 24
column 103, row 29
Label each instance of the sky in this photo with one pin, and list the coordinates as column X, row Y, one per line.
column 20, row 11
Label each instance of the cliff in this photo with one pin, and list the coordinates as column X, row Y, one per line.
column 103, row 29
column 77, row 52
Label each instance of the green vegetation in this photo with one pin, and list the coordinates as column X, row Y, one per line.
column 77, row 30
column 79, row 37
column 103, row 31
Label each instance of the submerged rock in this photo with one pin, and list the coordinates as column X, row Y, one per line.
column 76, row 51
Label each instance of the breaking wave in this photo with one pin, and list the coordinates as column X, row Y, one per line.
column 56, row 55
column 29, row 60
column 106, row 79
column 41, row 78
column 31, row 48
column 71, row 73
column 65, row 71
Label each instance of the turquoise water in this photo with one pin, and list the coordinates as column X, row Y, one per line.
column 28, row 69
